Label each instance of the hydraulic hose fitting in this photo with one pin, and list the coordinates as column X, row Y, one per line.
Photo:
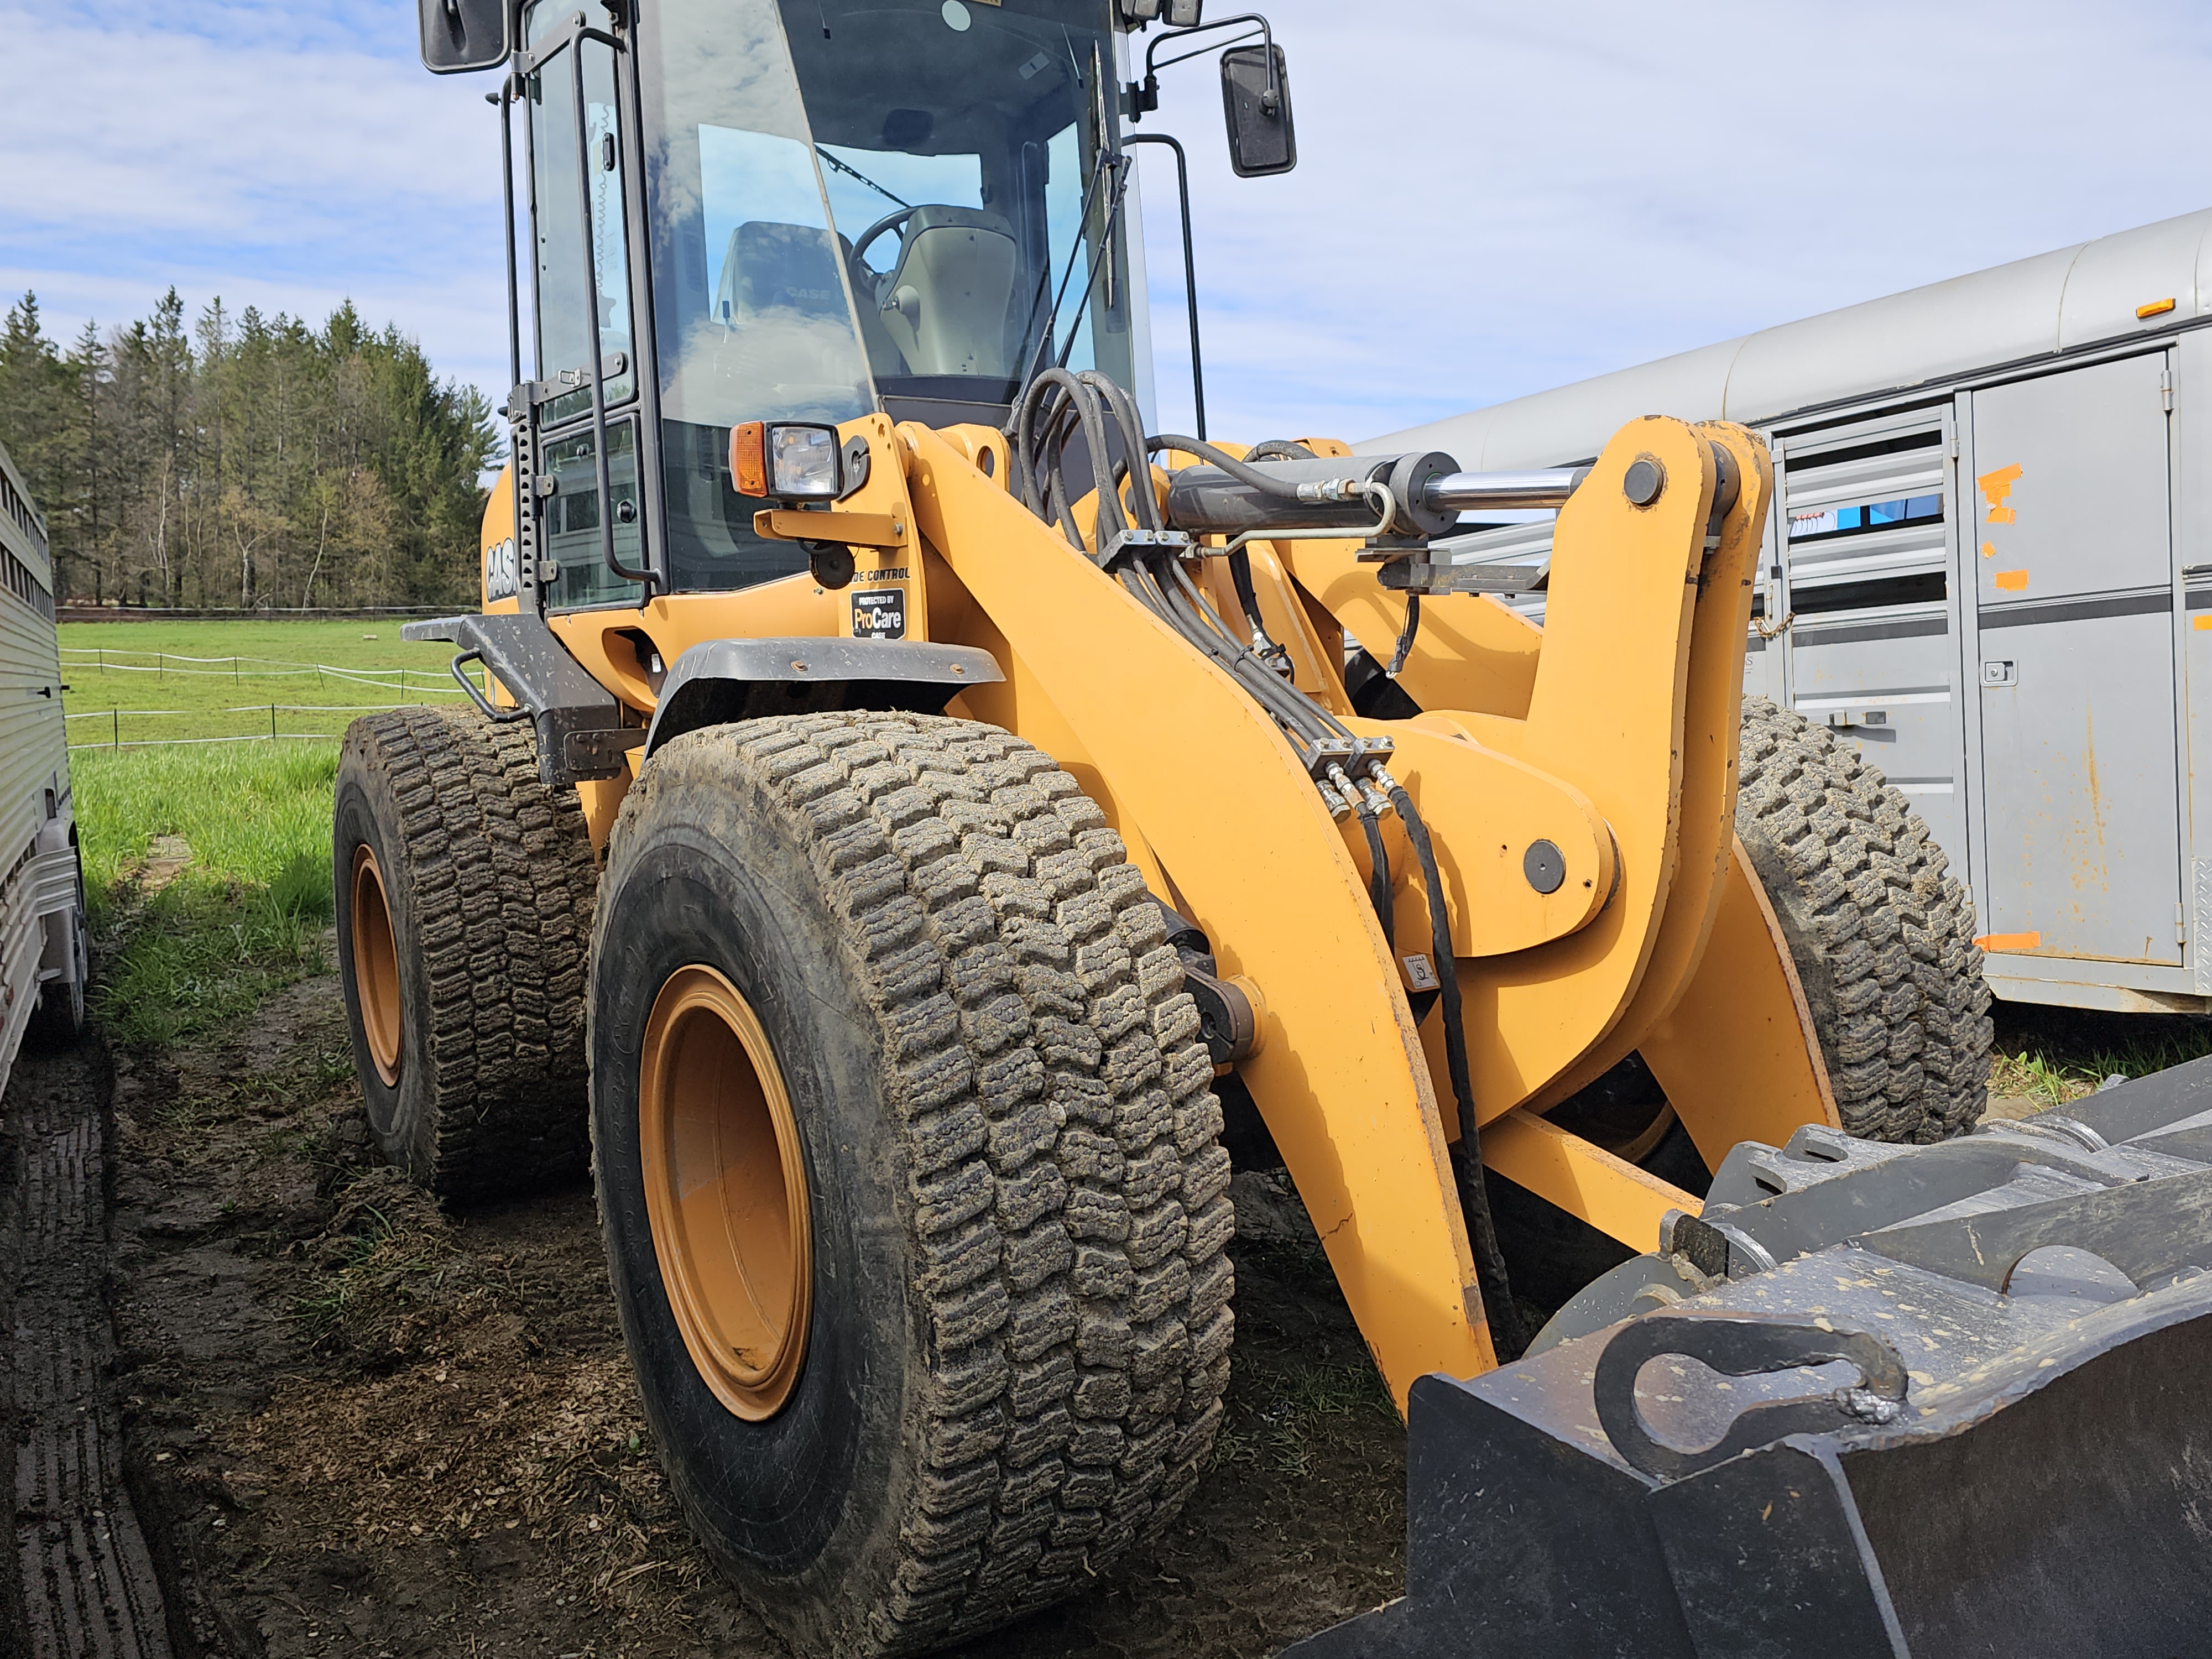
column 1344, row 788
column 1334, row 489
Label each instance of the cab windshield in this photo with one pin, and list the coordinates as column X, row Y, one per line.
column 858, row 204
column 958, row 143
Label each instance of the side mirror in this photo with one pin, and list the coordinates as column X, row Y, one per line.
column 460, row 36
column 1255, row 97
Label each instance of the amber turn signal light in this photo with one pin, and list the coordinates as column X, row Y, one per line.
column 749, row 458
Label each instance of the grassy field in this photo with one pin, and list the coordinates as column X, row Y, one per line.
column 207, row 863
column 245, row 912
column 169, row 682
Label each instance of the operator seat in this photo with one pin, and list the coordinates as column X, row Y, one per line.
column 948, row 303
column 786, row 277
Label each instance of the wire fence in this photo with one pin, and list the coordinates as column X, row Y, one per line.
column 114, row 718
column 100, row 660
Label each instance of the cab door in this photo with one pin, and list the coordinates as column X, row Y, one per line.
column 580, row 246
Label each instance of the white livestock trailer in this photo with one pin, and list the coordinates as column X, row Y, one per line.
column 1989, row 566
column 42, row 934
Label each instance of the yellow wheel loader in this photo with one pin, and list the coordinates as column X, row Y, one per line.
column 906, row 813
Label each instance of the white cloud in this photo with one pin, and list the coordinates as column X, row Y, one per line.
column 1491, row 199
column 270, row 156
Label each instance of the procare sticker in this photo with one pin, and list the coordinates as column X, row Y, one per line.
column 1420, row 972
column 879, row 614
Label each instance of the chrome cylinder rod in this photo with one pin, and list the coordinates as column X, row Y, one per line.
column 1472, row 492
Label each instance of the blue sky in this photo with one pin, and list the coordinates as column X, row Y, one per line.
column 1491, row 199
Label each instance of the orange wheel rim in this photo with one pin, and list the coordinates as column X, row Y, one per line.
column 375, row 965
column 725, row 1191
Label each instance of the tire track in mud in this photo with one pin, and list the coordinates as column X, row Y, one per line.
column 87, row 1583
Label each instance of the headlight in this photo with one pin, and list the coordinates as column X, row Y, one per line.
column 802, row 463
column 785, row 461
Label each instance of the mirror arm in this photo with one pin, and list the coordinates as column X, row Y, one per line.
column 1151, row 85
column 1189, row 263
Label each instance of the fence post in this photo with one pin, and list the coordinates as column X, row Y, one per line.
column 116, row 725
column 272, row 722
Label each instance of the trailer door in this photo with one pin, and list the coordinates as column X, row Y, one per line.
column 2072, row 552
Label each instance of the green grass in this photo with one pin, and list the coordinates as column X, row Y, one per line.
column 198, row 955
column 249, row 811
column 2052, row 1056
column 162, row 682
column 245, row 916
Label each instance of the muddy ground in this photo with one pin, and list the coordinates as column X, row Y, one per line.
column 355, row 1425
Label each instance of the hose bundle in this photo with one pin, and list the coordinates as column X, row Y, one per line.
column 1130, row 536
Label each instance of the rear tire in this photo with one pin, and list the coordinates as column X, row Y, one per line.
column 1015, row 1310
column 1881, row 935
column 465, row 890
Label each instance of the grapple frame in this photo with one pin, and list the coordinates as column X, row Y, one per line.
column 2005, row 1451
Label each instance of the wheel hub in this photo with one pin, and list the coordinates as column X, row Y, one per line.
column 725, row 1191
column 375, row 965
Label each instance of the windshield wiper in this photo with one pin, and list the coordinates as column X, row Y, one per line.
column 851, row 171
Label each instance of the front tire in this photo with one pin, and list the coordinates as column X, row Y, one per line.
column 1011, row 1288
column 464, row 891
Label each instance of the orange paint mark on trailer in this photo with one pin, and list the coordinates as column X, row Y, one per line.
column 1994, row 487
column 2011, row 581
column 1989, row 550
column 2010, row 941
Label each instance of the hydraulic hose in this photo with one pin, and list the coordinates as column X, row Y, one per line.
column 1406, row 635
column 1054, row 408
column 1467, row 1156
column 1378, row 874
column 1265, row 483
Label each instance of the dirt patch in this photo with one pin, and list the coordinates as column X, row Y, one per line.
column 360, row 1425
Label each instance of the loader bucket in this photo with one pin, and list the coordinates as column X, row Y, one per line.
column 1940, row 1401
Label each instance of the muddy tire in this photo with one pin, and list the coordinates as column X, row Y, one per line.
column 1014, row 1309
column 465, row 890
column 1881, row 934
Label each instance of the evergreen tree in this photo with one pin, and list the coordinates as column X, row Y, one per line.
column 246, row 460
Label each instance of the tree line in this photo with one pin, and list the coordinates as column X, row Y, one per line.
column 245, row 461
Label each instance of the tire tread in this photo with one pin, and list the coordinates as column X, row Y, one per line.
column 998, row 930
column 1883, row 934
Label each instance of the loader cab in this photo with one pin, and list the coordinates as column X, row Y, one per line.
column 803, row 210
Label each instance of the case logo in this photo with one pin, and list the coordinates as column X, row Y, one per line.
column 879, row 614
column 502, row 575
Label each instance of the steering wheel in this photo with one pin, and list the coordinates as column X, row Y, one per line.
column 862, row 277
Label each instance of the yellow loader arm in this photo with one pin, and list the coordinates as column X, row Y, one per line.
column 1623, row 761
